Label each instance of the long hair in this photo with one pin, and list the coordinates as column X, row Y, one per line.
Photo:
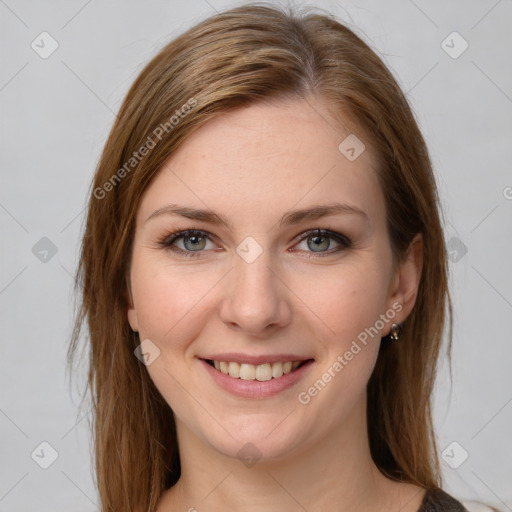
column 239, row 57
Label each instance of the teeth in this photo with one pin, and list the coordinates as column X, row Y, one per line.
column 234, row 370
column 260, row 372
column 247, row 371
column 263, row 372
column 277, row 370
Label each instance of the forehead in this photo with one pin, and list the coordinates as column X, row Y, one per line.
column 264, row 159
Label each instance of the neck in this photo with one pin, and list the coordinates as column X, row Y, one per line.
column 336, row 473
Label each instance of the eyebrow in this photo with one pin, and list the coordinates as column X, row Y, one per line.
column 289, row 218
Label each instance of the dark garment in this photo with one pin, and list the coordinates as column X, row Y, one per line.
column 436, row 500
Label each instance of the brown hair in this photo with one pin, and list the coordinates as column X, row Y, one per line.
column 245, row 55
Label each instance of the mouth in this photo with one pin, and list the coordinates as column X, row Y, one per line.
column 258, row 372
column 256, row 376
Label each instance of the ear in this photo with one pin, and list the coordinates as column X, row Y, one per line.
column 406, row 279
column 131, row 311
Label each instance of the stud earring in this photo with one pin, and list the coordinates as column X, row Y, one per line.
column 394, row 333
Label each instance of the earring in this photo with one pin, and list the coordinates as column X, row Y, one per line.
column 394, row 333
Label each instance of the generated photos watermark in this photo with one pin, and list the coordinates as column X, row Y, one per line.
column 144, row 150
column 304, row 397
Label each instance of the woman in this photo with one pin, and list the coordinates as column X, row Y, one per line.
column 264, row 279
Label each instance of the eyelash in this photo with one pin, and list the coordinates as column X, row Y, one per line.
column 168, row 241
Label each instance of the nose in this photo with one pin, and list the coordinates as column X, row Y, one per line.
column 256, row 300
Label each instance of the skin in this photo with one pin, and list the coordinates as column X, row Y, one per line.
column 252, row 166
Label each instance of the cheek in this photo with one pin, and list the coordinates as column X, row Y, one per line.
column 168, row 299
column 347, row 302
column 348, row 305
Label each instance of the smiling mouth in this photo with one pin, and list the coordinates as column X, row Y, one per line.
column 260, row 372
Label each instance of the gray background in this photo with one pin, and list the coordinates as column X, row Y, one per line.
column 56, row 114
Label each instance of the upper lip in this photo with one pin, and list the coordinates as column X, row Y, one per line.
column 253, row 359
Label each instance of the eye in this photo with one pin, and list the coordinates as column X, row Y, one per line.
column 193, row 242
column 319, row 240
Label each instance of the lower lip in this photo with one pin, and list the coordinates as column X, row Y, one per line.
column 255, row 388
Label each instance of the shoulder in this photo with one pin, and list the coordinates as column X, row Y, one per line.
column 437, row 500
column 473, row 506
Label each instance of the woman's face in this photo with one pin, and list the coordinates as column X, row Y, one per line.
column 255, row 289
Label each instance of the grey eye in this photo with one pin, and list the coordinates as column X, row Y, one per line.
column 318, row 243
column 194, row 242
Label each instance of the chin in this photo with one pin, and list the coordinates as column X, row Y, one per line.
column 260, row 438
